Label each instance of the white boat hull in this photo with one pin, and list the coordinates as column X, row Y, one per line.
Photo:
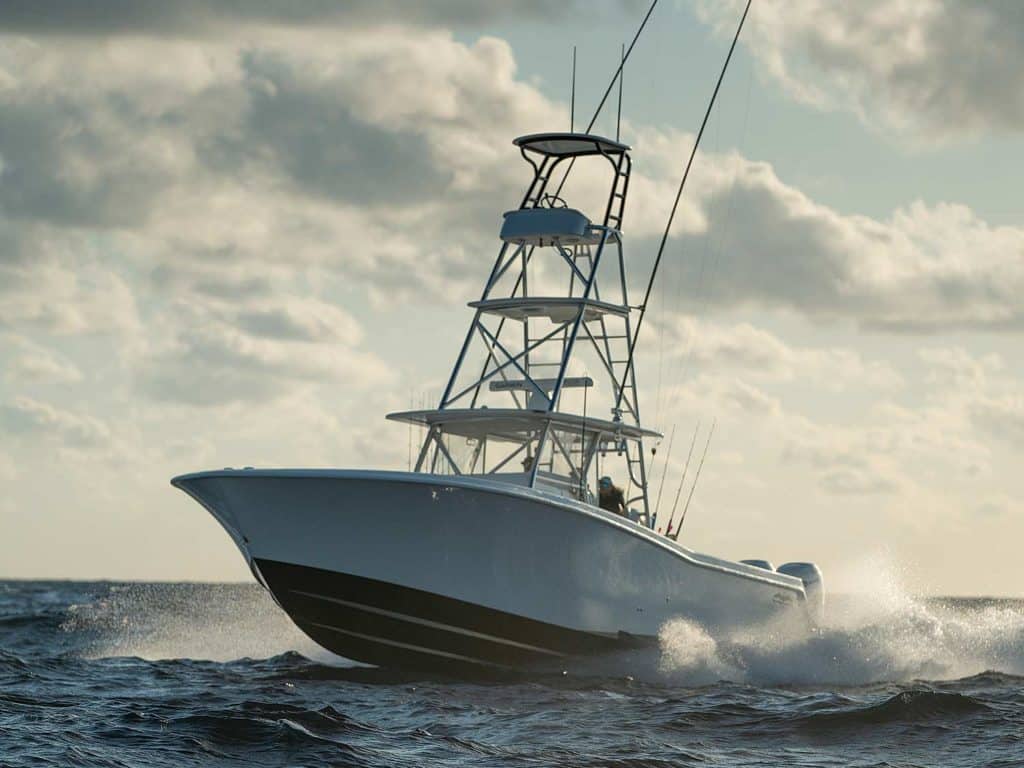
column 406, row 569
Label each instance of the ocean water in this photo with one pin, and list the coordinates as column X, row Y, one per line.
column 113, row 674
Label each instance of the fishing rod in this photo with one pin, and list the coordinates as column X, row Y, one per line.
column 679, row 490
column 583, row 445
column 664, row 474
column 675, row 206
column 696, row 477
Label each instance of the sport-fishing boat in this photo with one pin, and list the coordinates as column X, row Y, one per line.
column 492, row 550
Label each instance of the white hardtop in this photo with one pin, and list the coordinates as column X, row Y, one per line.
column 564, row 144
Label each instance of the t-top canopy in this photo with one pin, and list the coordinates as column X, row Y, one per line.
column 516, row 424
column 569, row 144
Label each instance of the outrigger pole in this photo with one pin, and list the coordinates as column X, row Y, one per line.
column 679, row 194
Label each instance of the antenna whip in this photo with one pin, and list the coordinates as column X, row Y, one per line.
column 572, row 94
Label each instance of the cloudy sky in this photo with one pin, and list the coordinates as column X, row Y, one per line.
column 239, row 233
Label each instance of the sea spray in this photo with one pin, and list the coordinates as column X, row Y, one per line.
column 862, row 640
column 687, row 650
column 216, row 622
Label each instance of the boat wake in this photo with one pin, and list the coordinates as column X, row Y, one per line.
column 859, row 642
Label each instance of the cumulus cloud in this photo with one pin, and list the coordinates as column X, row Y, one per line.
column 940, row 69
column 7, row 468
column 981, row 390
column 63, row 295
column 1002, row 417
column 923, row 269
column 724, row 395
column 190, row 160
column 954, row 368
column 27, row 361
column 716, row 345
column 238, row 176
column 848, row 447
column 864, row 459
column 250, row 354
column 300, row 321
column 846, row 460
column 26, row 416
column 361, row 153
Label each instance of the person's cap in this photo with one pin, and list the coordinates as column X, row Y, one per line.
column 605, row 481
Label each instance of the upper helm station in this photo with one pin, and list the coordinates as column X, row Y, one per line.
column 543, row 392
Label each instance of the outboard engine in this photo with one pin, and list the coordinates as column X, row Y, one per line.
column 763, row 564
column 814, row 586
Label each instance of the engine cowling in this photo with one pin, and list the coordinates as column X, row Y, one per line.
column 814, row 586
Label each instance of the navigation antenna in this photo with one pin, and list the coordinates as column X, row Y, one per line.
column 622, row 75
column 572, row 93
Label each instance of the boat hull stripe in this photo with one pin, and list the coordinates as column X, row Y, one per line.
column 372, row 621
column 404, row 646
column 427, row 623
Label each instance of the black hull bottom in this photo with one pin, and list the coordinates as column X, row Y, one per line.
column 387, row 625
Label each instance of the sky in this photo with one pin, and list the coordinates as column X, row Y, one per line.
column 238, row 234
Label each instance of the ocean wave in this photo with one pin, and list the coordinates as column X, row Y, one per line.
column 884, row 636
column 906, row 706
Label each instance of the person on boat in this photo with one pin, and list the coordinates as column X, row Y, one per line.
column 610, row 496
